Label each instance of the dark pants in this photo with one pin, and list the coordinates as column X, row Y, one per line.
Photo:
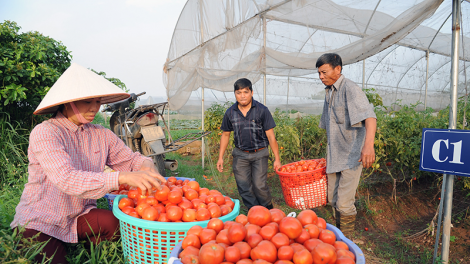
column 251, row 175
column 96, row 226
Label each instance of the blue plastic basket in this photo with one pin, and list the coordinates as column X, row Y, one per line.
column 339, row 237
column 110, row 197
column 152, row 242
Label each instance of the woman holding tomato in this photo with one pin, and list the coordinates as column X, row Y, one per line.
column 67, row 156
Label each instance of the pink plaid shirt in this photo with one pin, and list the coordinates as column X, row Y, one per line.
column 66, row 164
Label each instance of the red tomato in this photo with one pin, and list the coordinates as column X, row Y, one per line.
column 162, row 195
column 125, row 202
column 190, row 250
column 303, row 257
column 242, row 219
column 128, row 209
column 312, row 243
column 207, row 235
column 160, row 208
column 259, row 215
column 277, row 215
column 194, row 185
column 191, row 194
column 340, row 245
column 285, row 253
column 252, row 229
column 215, row 211
column 297, row 247
column 219, row 199
column 191, row 240
column 232, row 254
column 141, row 207
column 245, row 261
column 175, row 197
column 228, row 224
column 267, row 232
column 195, row 230
column 222, row 237
column 163, row 218
column 344, row 260
column 321, row 223
column 174, row 213
column 265, row 250
column 312, row 230
column 344, row 252
column 150, row 213
column 324, row 253
column 215, row 224
column 304, row 236
column 291, row 227
column 190, row 259
column 253, row 240
column 225, row 209
column 189, row 215
column 134, row 214
column 211, row 254
column 236, row 233
column 203, row 214
column 230, row 203
column 327, row 236
column 171, row 180
column 203, row 191
column 279, row 240
column 307, row 217
column 245, row 249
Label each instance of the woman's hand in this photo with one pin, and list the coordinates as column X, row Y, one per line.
column 145, row 179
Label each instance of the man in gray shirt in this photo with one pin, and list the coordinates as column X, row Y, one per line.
column 350, row 124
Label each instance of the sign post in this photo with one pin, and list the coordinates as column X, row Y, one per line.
column 455, row 163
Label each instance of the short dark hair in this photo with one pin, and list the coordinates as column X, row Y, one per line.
column 242, row 84
column 332, row 59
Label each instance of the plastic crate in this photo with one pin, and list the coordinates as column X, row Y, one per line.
column 110, row 197
column 304, row 190
column 360, row 259
column 152, row 242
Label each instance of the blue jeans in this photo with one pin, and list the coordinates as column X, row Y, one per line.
column 251, row 174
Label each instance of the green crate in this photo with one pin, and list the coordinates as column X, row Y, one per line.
column 152, row 242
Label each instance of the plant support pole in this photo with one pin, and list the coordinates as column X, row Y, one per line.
column 264, row 50
column 454, row 73
column 202, row 87
column 363, row 74
column 427, row 76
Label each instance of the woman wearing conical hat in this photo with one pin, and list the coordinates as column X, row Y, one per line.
column 67, row 156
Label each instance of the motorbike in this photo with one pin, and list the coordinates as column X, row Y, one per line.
column 141, row 130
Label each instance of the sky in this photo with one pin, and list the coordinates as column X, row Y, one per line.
column 126, row 39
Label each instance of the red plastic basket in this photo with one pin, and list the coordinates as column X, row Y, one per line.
column 304, row 190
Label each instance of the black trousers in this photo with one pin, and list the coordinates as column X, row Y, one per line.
column 251, row 174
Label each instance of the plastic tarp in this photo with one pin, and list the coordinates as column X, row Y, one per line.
column 383, row 44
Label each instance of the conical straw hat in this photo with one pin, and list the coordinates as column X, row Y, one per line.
column 78, row 83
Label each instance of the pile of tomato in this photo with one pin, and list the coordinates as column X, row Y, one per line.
column 265, row 236
column 304, row 165
column 177, row 201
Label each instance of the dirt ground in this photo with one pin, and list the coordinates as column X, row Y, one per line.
column 397, row 226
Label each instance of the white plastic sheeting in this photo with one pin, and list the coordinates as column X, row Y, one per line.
column 383, row 43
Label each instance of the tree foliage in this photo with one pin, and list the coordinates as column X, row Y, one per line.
column 30, row 63
column 115, row 81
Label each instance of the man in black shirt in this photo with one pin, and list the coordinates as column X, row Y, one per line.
column 252, row 125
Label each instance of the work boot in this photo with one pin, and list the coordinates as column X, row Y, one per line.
column 337, row 217
column 348, row 224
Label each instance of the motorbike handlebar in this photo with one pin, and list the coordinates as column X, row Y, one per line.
column 141, row 93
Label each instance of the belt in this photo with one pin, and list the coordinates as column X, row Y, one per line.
column 251, row 151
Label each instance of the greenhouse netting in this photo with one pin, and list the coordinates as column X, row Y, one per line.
column 401, row 48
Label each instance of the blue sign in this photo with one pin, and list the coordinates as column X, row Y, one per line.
column 445, row 151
